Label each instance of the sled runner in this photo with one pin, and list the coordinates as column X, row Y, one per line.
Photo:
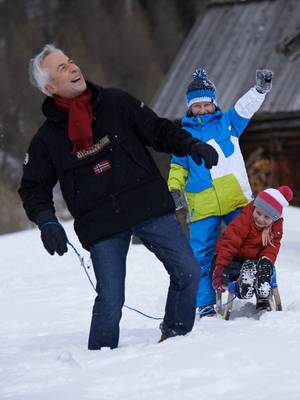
column 249, row 279
column 274, row 301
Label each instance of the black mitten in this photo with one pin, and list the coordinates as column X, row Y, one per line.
column 201, row 150
column 264, row 80
column 54, row 238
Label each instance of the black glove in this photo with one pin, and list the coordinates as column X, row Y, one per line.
column 54, row 238
column 263, row 80
column 179, row 199
column 201, row 150
column 225, row 278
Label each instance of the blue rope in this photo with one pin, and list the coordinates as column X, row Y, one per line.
column 85, row 268
column 81, row 259
column 140, row 312
column 92, row 284
column 209, row 310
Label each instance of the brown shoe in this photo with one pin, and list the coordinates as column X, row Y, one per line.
column 263, row 304
column 166, row 332
column 162, row 338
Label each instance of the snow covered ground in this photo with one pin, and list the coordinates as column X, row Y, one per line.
column 45, row 307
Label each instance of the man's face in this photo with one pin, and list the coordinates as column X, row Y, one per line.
column 203, row 107
column 66, row 79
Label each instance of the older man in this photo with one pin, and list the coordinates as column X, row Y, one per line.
column 93, row 142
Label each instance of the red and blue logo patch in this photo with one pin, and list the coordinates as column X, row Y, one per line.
column 101, row 166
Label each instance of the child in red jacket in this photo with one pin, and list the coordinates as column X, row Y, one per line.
column 248, row 248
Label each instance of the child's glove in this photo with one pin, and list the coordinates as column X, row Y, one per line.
column 264, row 80
column 179, row 199
column 201, row 150
column 217, row 279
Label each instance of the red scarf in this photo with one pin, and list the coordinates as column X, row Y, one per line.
column 80, row 119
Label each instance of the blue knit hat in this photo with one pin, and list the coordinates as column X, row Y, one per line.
column 200, row 89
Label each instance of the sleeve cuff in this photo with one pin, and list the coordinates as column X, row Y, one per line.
column 45, row 216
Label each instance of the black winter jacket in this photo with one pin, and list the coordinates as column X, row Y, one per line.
column 113, row 187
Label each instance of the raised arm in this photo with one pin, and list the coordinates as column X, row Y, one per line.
column 251, row 101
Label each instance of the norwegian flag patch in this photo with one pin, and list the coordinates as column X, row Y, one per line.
column 102, row 166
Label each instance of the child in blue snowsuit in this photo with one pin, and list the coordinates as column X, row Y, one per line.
column 216, row 195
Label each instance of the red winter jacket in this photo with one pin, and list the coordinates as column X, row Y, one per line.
column 243, row 240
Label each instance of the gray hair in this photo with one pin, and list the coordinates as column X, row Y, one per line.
column 39, row 76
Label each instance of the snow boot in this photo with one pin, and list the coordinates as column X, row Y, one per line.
column 246, row 281
column 264, row 270
column 206, row 311
column 263, row 304
column 166, row 332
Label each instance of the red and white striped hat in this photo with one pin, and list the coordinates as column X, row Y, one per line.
column 271, row 201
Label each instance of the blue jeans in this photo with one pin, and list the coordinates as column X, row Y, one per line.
column 204, row 235
column 164, row 237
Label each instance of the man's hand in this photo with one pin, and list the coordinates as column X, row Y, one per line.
column 202, row 150
column 54, row 238
column 264, row 80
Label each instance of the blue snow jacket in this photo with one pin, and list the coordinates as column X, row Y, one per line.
column 225, row 187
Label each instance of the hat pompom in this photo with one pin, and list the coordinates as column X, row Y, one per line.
column 287, row 192
column 199, row 74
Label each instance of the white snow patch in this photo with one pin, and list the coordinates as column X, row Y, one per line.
column 45, row 307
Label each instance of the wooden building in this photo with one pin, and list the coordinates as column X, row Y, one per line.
column 231, row 41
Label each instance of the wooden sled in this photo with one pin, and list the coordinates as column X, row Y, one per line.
column 225, row 312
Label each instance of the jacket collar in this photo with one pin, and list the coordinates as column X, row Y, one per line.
column 52, row 113
column 201, row 119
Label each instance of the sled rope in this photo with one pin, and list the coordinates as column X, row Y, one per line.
column 81, row 260
column 85, row 268
column 210, row 309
